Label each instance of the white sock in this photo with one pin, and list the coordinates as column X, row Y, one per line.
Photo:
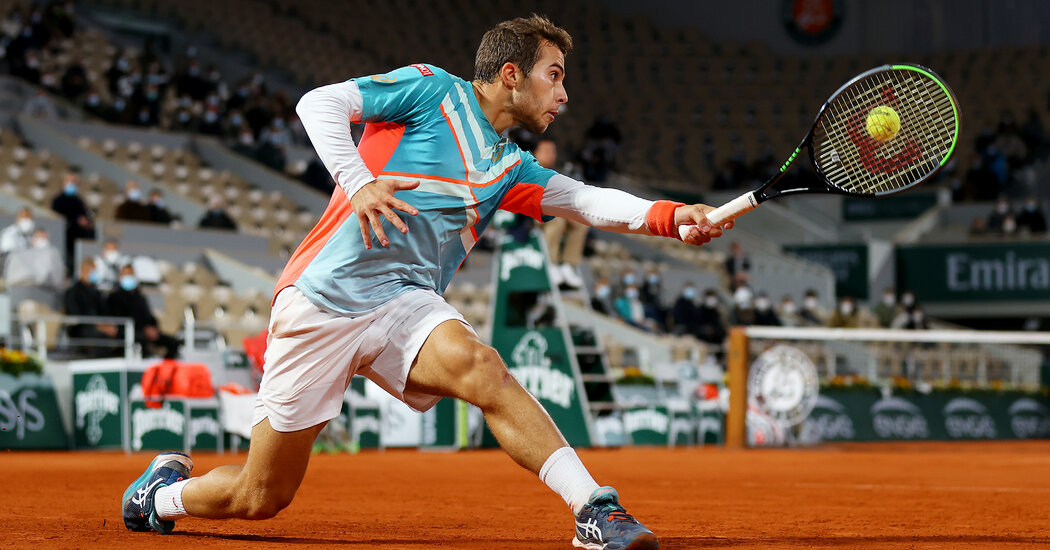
column 565, row 474
column 168, row 501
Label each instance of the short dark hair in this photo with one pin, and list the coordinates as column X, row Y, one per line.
column 517, row 41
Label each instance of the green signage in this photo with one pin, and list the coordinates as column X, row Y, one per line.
column 849, row 263
column 894, row 207
column 976, row 272
column 537, row 356
column 869, row 416
column 648, row 425
column 29, row 414
column 98, row 409
column 158, row 428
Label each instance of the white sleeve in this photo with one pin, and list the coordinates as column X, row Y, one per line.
column 326, row 113
column 608, row 209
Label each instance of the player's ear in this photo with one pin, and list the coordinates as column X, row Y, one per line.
column 510, row 74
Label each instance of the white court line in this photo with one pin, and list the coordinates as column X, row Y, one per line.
column 873, row 486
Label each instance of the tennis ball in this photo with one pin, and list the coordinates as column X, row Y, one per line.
column 883, row 123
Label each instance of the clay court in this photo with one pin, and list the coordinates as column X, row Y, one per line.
column 926, row 495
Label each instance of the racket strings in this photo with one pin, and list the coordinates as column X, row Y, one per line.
column 854, row 161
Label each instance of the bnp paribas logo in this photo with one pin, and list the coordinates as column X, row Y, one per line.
column 533, row 369
column 94, row 403
column 144, row 421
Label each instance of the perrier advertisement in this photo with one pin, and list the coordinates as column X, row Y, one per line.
column 531, row 344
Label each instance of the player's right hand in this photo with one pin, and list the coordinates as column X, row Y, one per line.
column 376, row 201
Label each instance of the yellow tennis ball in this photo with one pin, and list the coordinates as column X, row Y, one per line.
column 883, row 123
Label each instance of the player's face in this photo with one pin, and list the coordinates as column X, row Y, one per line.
column 537, row 100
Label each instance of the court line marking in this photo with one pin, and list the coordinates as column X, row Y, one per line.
column 874, row 486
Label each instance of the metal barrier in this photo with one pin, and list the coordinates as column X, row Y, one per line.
column 38, row 336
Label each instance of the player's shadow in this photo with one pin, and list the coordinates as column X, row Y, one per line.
column 296, row 540
column 673, row 543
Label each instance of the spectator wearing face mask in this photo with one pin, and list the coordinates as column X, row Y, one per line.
column 1032, row 217
column 630, row 308
column 738, row 266
column 127, row 301
column 764, row 312
column 70, row 206
column 158, row 211
column 216, row 217
column 628, row 278
column 743, row 312
column 132, row 209
column 887, row 309
column 40, row 265
column 83, row 298
column 998, row 216
column 602, row 300
column 109, row 264
column 909, row 305
column 685, row 313
column 845, row 315
column 17, row 236
column 915, row 319
column 650, row 294
column 812, row 313
column 710, row 326
column 787, row 312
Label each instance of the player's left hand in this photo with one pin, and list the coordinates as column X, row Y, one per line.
column 703, row 231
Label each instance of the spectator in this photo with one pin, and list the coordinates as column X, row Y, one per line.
column 812, row 313
column 738, row 266
column 127, row 301
column 978, row 227
column 710, row 327
column 158, row 212
column 18, row 235
column 40, row 265
column 1009, row 227
column 846, row 315
column 685, row 314
column 84, row 299
column 628, row 278
column 1032, row 217
column 565, row 238
column 743, row 313
column 996, row 218
column 787, row 312
column 70, row 206
column 602, row 301
column 631, row 309
column 109, row 265
column 887, row 309
column 651, row 287
column 216, row 217
column 913, row 320
column 764, row 312
column 132, row 209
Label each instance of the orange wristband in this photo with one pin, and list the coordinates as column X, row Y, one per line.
column 660, row 219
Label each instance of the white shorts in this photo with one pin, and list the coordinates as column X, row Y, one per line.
column 312, row 353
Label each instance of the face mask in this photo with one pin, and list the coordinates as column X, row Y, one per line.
column 888, row 299
column 846, row 308
column 25, row 225
column 762, row 304
column 908, row 299
column 110, row 256
column 810, row 303
column 1009, row 225
column 1030, row 207
column 236, row 120
column 711, row 301
column 93, row 100
column 134, row 195
column 246, row 139
column 70, row 189
column 41, row 243
column 632, row 293
column 917, row 316
column 94, row 277
column 1002, row 208
column 602, row 291
column 689, row 293
column 159, row 203
column 628, row 279
column 128, row 282
column 210, row 117
column 653, row 279
column 789, row 308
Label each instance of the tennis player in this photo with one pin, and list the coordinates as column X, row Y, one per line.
column 362, row 294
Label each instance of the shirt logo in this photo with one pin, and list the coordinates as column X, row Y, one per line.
column 423, row 69
column 384, row 78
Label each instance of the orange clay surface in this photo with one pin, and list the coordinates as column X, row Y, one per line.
column 926, row 495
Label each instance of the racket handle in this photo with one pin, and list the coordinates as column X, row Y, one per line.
column 727, row 212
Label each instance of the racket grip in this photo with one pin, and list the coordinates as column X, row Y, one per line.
column 727, row 212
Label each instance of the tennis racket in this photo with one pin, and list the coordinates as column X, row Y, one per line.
column 855, row 151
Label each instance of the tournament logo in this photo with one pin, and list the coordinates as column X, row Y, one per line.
column 533, row 369
column 896, row 418
column 783, row 383
column 965, row 418
column 829, row 421
column 93, row 405
column 1029, row 419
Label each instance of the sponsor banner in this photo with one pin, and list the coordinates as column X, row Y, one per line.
column 204, row 428
column 98, row 409
column 977, row 272
column 849, row 263
column 683, row 427
column 160, row 428
column 647, row 425
column 440, row 425
column 868, row 416
column 29, row 414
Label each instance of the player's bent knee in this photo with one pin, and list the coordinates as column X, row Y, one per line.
column 265, row 503
column 486, row 377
